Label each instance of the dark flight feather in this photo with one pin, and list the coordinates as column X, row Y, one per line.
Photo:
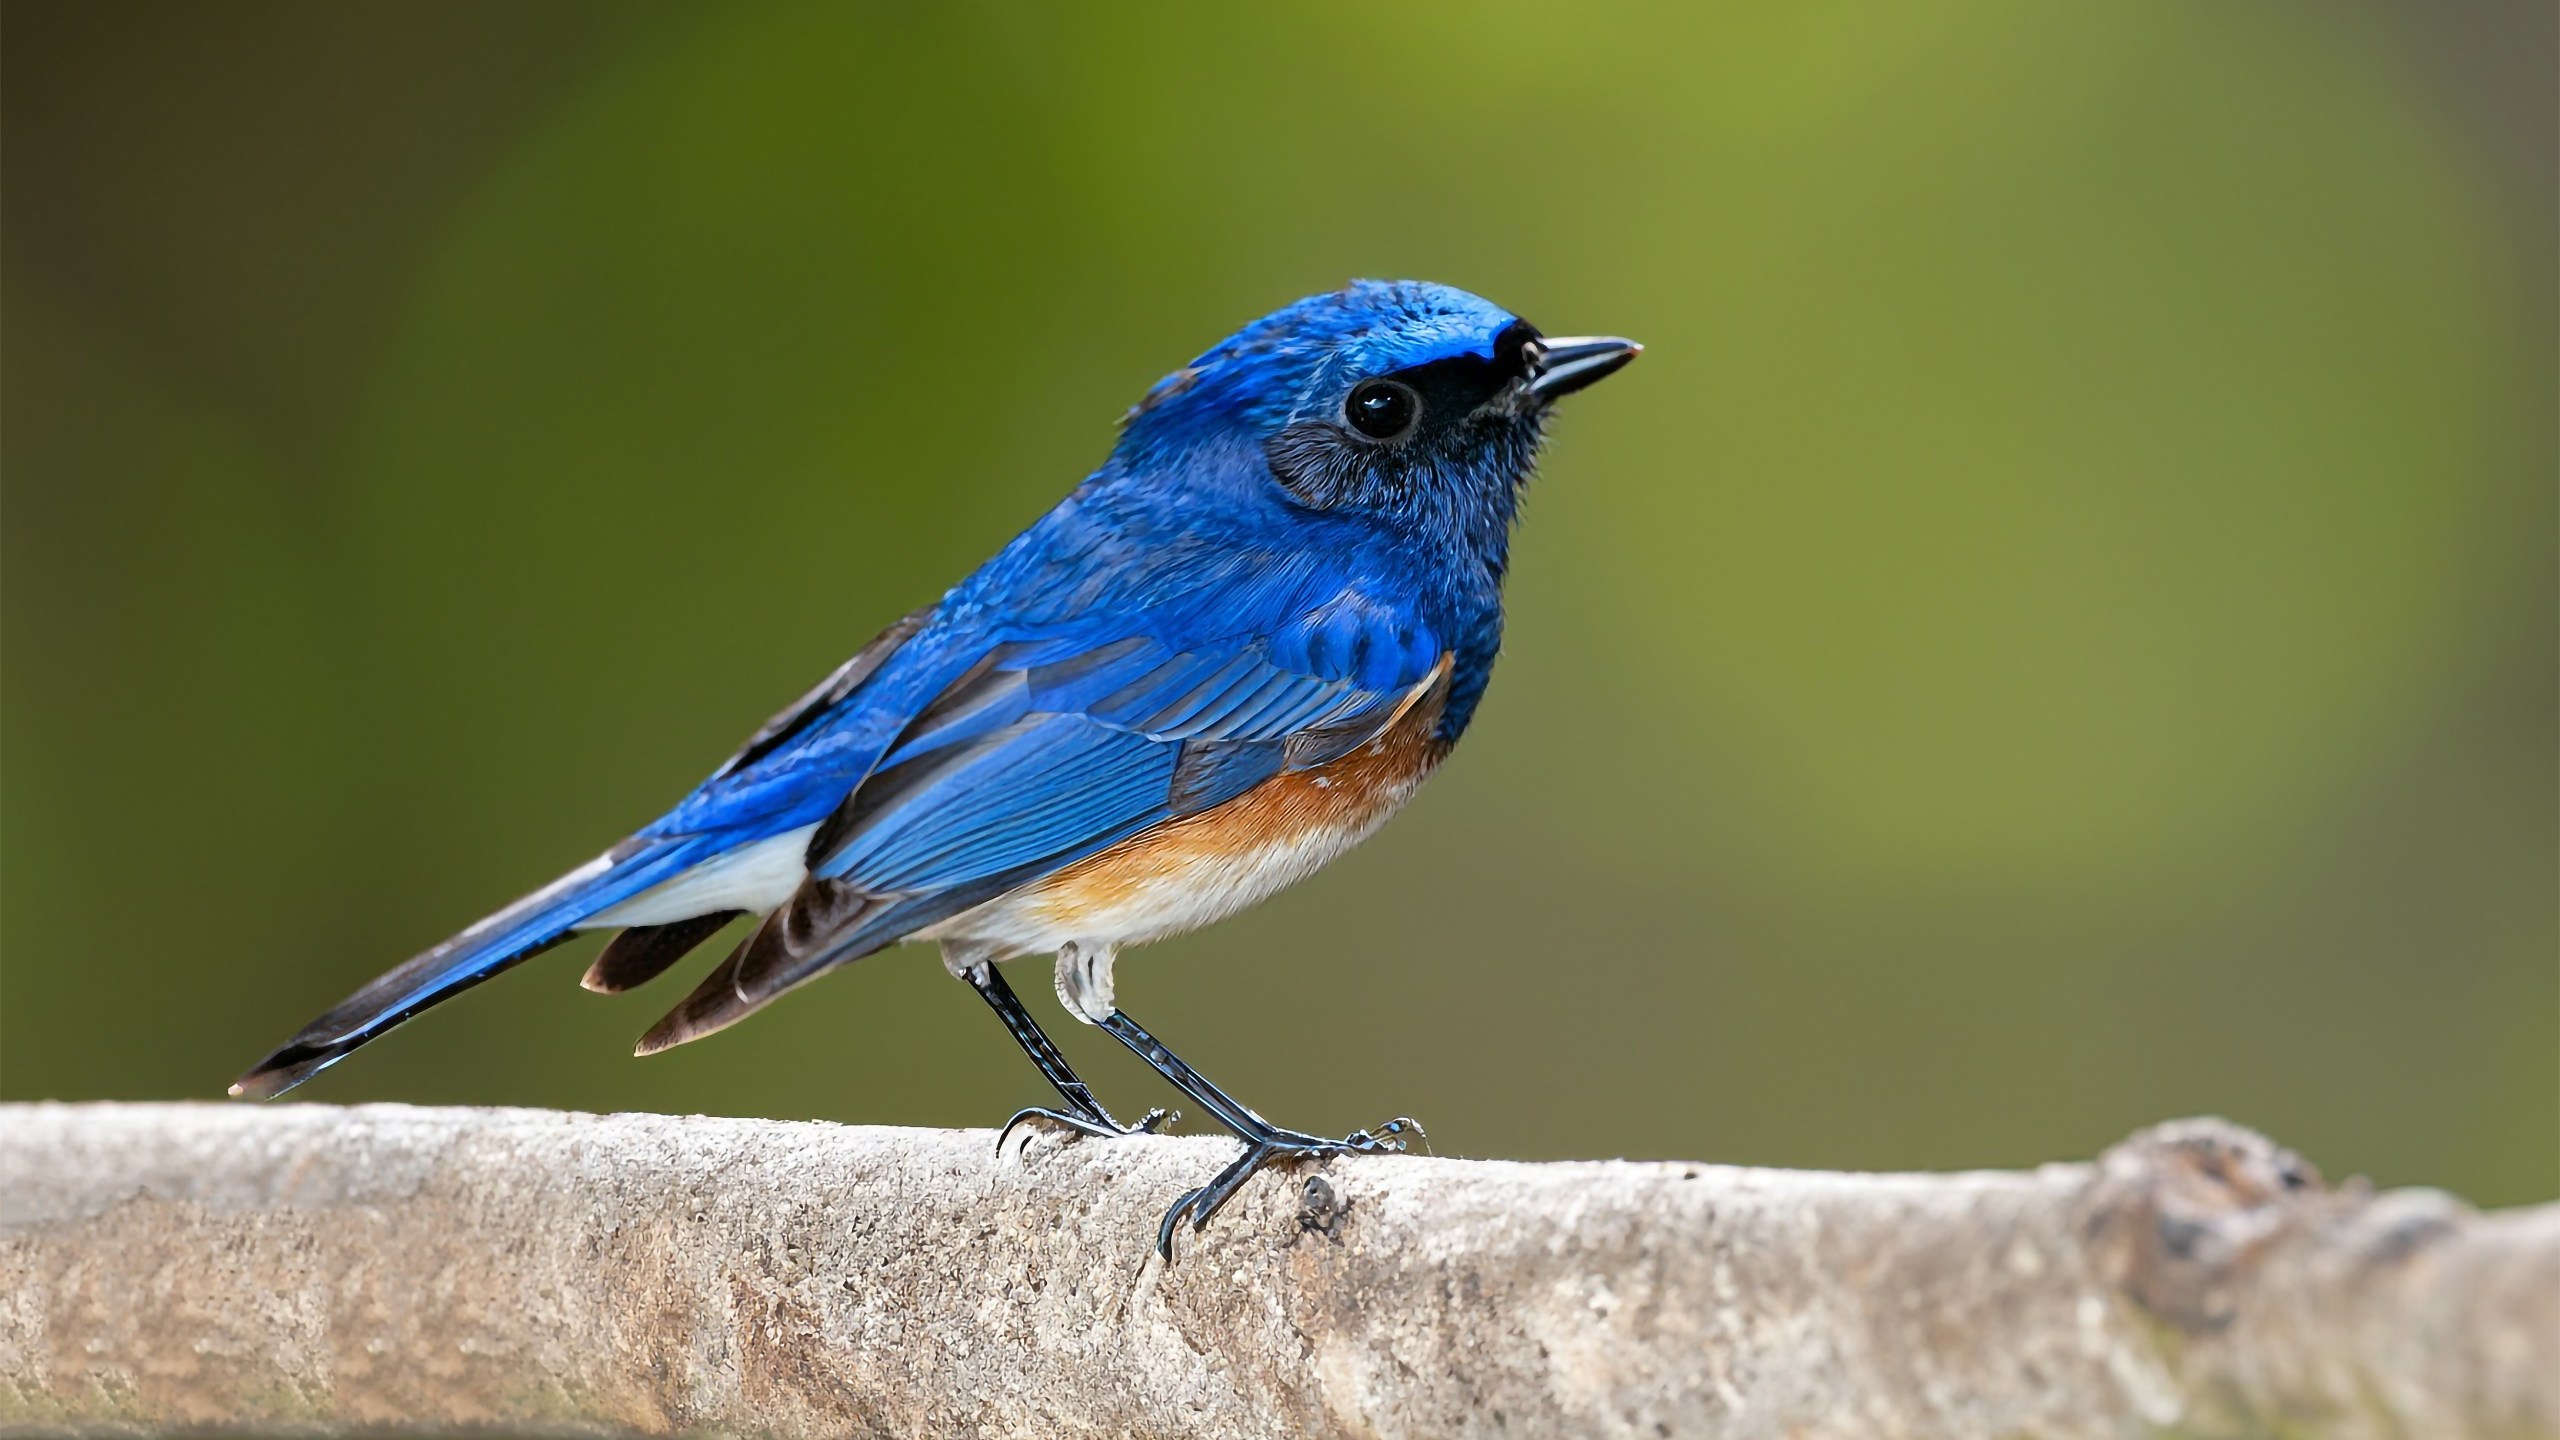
column 821, row 910
column 832, row 691
column 642, row 953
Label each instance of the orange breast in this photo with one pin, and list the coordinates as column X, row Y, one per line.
column 1191, row 871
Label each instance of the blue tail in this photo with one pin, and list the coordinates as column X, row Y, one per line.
column 522, row 930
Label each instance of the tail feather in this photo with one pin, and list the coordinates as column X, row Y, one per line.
column 714, row 1005
column 367, row 1014
column 826, row 923
column 823, row 913
column 508, row 938
column 642, row 953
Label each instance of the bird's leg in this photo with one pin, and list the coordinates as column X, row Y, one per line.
column 1263, row 1141
column 1084, row 1113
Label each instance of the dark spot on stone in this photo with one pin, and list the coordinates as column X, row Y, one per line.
column 1321, row 1207
column 2182, row 1214
column 2182, row 1238
column 2405, row 1222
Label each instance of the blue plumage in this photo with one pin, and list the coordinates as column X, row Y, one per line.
column 1220, row 645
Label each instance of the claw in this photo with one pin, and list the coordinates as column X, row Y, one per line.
column 1173, row 1217
column 1080, row 1124
column 1105, row 1128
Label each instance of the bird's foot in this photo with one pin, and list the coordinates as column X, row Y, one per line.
column 1096, row 1123
column 1260, row 1149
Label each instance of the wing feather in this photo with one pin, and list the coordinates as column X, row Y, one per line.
column 1046, row 751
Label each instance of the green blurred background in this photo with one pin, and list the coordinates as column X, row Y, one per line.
column 2057, row 633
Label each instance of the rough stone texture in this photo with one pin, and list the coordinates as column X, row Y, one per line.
column 304, row 1268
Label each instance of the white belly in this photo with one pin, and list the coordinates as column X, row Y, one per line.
column 1177, row 893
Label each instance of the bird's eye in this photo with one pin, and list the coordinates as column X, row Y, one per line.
column 1382, row 409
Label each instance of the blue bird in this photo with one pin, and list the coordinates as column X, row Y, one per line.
column 1230, row 655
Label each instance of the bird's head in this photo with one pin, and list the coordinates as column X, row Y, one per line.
column 1415, row 402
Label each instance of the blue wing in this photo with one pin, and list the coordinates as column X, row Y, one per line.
column 1052, row 748
column 1042, row 751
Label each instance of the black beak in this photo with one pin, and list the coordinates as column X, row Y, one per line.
column 1566, row 363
